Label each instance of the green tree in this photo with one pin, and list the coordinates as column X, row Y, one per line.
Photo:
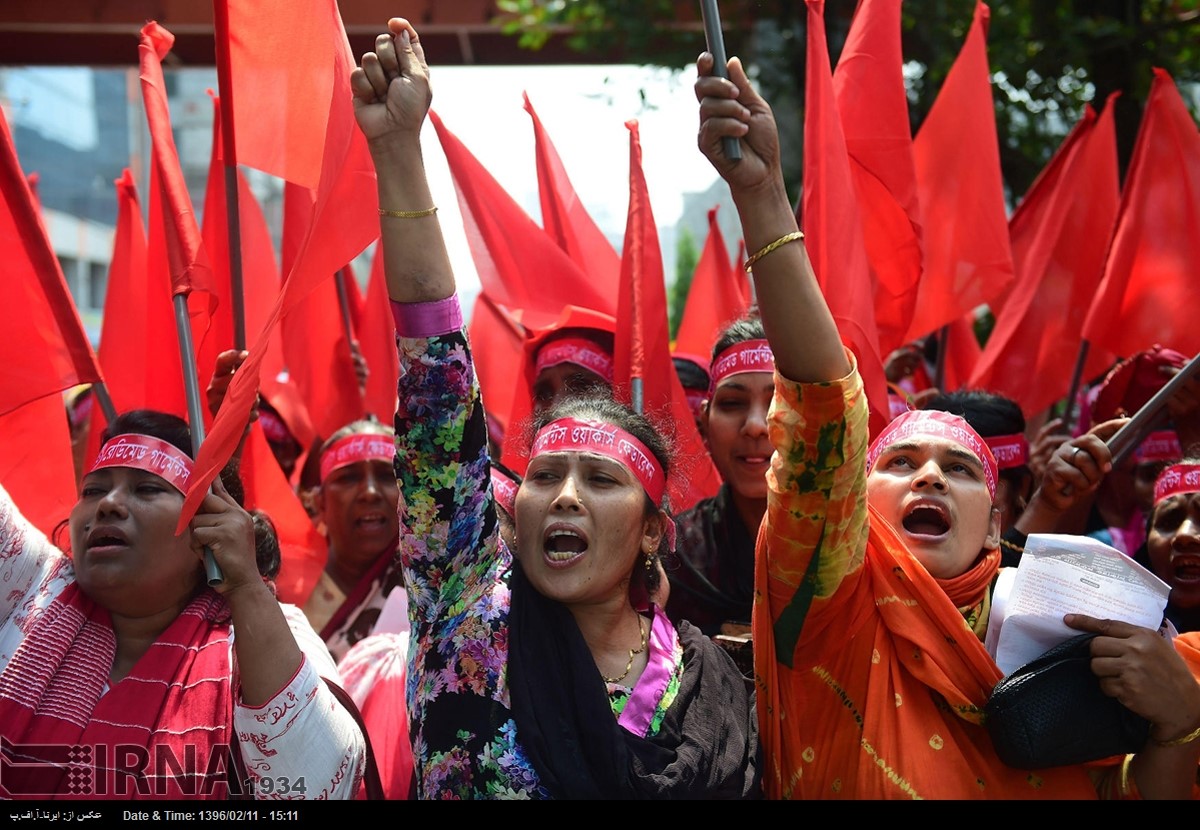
column 686, row 257
column 1049, row 57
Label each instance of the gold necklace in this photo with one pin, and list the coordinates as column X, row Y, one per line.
column 632, row 653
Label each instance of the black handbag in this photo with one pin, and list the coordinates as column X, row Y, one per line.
column 1051, row 712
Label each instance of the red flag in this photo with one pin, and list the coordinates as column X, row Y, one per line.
column 316, row 348
column 186, row 260
column 344, row 205
column 519, row 265
column 36, row 466
column 714, row 298
column 303, row 549
column 497, row 341
column 377, row 341
column 642, row 347
column 1060, row 234
column 567, row 221
column 46, row 349
column 968, row 260
column 139, row 345
column 833, row 221
column 868, row 84
column 962, row 352
column 1149, row 285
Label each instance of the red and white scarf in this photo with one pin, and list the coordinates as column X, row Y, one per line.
column 64, row 737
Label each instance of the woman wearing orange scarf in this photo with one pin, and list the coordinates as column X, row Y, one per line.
column 874, row 566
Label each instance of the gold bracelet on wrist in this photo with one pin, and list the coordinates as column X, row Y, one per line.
column 408, row 214
column 1180, row 741
column 1004, row 543
column 766, row 249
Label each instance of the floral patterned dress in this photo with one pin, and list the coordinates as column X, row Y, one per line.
column 458, row 573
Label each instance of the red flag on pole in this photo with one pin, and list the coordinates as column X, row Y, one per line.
column 831, row 217
column 868, row 84
column 968, row 260
column 377, row 340
column 313, row 57
column 46, row 349
column 714, row 298
column 1060, row 234
column 139, row 347
column 187, row 262
column 567, row 221
column 316, row 347
column 642, row 354
column 519, row 265
column 1149, row 286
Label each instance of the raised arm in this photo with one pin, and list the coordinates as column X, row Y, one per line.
column 797, row 320
column 391, row 99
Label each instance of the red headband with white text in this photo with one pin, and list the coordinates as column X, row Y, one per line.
column 935, row 423
column 746, row 356
column 1162, row 445
column 1176, row 480
column 144, row 452
column 1008, row 450
column 578, row 350
column 609, row 440
column 355, row 448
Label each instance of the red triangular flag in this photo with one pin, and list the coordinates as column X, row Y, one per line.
column 518, row 264
column 868, row 84
column 714, row 298
column 642, row 348
column 1059, row 234
column 968, row 260
column 303, row 549
column 139, row 345
column 567, row 221
column 46, row 348
column 1149, row 284
column 832, row 219
column 377, row 341
column 186, row 261
column 316, row 347
column 345, row 204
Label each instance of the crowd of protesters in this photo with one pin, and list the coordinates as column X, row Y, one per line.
column 526, row 614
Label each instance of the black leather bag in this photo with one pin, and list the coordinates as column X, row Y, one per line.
column 1051, row 712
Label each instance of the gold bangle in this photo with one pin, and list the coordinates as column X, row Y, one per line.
column 1004, row 543
column 766, row 249
column 408, row 214
column 1186, row 739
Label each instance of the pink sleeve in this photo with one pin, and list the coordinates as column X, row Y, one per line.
column 427, row 319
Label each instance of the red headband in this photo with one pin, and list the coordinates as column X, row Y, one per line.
column 505, row 490
column 1158, row 446
column 144, row 452
column 934, row 422
column 1008, row 450
column 609, row 440
column 578, row 350
column 747, row 356
column 1175, row 480
column 354, row 448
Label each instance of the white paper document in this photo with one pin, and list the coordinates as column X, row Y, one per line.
column 1061, row 574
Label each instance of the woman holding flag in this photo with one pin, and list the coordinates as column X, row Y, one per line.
column 122, row 651
column 540, row 672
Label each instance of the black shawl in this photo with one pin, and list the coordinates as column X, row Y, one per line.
column 707, row 746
